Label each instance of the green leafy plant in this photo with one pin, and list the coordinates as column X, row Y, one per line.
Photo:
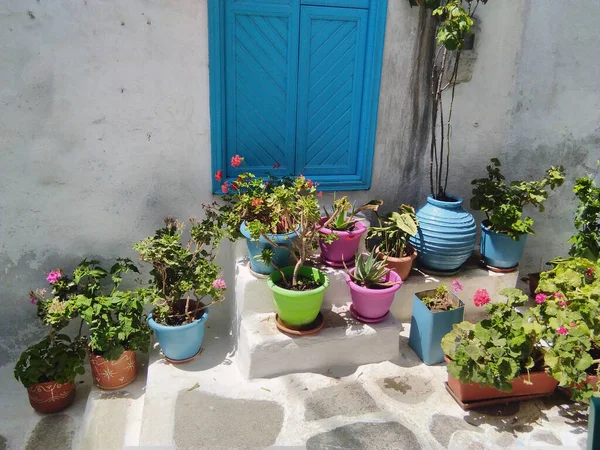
column 183, row 274
column 343, row 214
column 453, row 25
column 504, row 204
column 370, row 272
column 116, row 320
column 567, row 318
column 54, row 358
column 441, row 298
column 495, row 350
column 393, row 231
column 586, row 242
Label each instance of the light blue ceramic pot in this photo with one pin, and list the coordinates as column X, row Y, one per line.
column 180, row 342
column 427, row 329
column 499, row 250
column 446, row 235
column 281, row 256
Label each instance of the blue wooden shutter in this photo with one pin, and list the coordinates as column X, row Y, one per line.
column 330, row 92
column 261, row 84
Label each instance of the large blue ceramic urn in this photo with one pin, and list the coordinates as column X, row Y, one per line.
column 446, row 235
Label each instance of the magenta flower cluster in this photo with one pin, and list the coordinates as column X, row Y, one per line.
column 456, row 286
column 219, row 283
column 54, row 276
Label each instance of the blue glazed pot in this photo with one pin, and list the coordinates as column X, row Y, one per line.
column 180, row 342
column 281, row 256
column 446, row 235
column 499, row 250
column 427, row 328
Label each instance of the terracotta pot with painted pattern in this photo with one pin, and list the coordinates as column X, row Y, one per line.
column 117, row 374
column 51, row 397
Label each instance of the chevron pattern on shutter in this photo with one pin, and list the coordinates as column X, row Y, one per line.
column 332, row 53
column 261, row 87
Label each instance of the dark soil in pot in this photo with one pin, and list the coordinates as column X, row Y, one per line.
column 304, row 284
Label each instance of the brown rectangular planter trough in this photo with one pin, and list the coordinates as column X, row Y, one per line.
column 469, row 395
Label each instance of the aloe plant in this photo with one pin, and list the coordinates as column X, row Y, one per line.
column 342, row 217
column 370, row 272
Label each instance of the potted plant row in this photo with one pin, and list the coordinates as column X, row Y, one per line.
column 281, row 220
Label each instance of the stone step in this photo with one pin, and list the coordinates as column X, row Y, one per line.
column 263, row 351
column 112, row 419
column 253, row 296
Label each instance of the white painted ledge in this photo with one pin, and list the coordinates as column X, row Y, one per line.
column 343, row 341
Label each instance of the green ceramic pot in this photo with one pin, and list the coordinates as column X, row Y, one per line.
column 298, row 308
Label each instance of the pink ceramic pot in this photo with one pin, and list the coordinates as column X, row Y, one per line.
column 373, row 303
column 344, row 248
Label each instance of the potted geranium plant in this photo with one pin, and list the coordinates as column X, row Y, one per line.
column 259, row 209
column 447, row 232
column 48, row 370
column 117, row 326
column 567, row 318
column 505, row 230
column 434, row 314
column 497, row 359
column 392, row 233
column 586, row 242
column 372, row 288
column 186, row 282
column 340, row 240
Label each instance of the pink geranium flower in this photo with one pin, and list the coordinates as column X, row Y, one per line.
column 562, row 304
column 562, row 330
column 481, row 297
column 54, row 276
column 225, row 187
column 558, row 295
column 456, row 286
column 540, row 298
column 219, row 283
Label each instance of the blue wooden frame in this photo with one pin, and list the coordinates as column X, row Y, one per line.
column 373, row 67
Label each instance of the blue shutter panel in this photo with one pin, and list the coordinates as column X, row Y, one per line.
column 330, row 91
column 261, row 84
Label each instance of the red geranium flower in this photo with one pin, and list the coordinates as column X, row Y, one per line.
column 236, row 161
column 256, row 202
column 225, row 187
column 219, row 175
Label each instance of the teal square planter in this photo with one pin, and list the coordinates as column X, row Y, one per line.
column 428, row 328
column 593, row 440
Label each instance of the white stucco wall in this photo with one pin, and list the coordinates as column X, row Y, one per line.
column 104, row 124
